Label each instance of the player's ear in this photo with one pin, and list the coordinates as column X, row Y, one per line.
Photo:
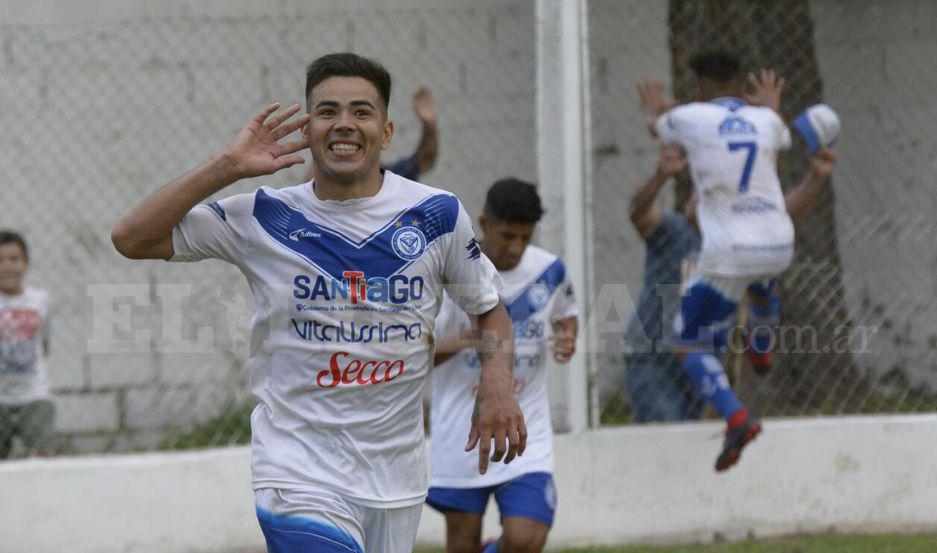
column 304, row 130
column 483, row 223
column 388, row 134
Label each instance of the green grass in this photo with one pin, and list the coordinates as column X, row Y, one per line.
column 812, row 544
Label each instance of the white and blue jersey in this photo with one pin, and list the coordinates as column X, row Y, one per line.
column 536, row 294
column 732, row 149
column 346, row 295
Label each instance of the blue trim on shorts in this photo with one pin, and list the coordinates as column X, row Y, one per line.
column 292, row 534
column 532, row 495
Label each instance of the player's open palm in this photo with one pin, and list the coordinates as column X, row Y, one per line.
column 424, row 106
column 256, row 149
column 767, row 89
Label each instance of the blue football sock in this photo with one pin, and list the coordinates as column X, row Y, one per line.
column 710, row 380
column 763, row 323
column 491, row 547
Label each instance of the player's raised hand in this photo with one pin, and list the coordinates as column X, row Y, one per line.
column 767, row 89
column 497, row 417
column 672, row 160
column 424, row 106
column 823, row 162
column 256, row 149
column 651, row 95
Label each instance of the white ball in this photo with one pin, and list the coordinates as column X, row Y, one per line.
column 819, row 126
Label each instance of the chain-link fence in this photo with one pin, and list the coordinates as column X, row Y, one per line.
column 101, row 110
column 857, row 331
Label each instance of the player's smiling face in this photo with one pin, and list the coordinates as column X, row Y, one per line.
column 348, row 128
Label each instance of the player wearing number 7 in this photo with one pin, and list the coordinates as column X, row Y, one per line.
column 748, row 237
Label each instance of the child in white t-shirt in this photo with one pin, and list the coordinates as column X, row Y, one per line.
column 26, row 410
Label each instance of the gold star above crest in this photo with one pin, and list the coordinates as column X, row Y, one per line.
column 415, row 223
column 398, row 224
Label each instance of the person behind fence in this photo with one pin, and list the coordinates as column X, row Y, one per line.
column 748, row 236
column 540, row 300
column 423, row 159
column 348, row 273
column 26, row 408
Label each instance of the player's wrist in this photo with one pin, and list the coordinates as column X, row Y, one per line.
column 226, row 168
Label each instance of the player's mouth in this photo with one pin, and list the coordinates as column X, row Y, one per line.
column 344, row 149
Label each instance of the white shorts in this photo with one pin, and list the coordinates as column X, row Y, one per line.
column 296, row 521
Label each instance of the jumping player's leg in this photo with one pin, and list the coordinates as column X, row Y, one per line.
column 527, row 505
column 764, row 318
column 707, row 310
column 463, row 509
column 298, row 522
column 700, row 331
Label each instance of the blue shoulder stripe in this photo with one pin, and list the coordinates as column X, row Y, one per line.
column 537, row 295
column 333, row 253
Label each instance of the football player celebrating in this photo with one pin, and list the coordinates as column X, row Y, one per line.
column 347, row 273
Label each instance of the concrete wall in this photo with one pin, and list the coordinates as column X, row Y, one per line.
column 103, row 102
column 650, row 484
column 876, row 63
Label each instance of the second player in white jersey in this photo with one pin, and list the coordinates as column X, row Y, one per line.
column 732, row 149
column 537, row 295
column 540, row 302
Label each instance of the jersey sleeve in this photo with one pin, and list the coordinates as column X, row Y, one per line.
column 671, row 126
column 468, row 276
column 783, row 133
column 564, row 306
column 211, row 230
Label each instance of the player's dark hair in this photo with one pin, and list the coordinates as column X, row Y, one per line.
column 10, row 237
column 513, row 201
column 717, row 65
column 346, row 64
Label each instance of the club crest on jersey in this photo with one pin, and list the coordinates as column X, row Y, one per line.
column 736, row 125
column 408, row 242
column 538, row 296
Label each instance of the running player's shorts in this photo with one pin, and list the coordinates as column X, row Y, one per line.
column 295, row 521
column 531, row 495
column 708, row 305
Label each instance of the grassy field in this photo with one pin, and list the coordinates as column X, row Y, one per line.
column 813, row 544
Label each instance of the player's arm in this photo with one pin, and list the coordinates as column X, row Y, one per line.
column 428, row 148
column 563, row 341
column 805, row 195
column 448, row 347
column 644, row 215
column 146, row 232
column 497, row 414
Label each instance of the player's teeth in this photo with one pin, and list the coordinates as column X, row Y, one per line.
column 344, row 147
